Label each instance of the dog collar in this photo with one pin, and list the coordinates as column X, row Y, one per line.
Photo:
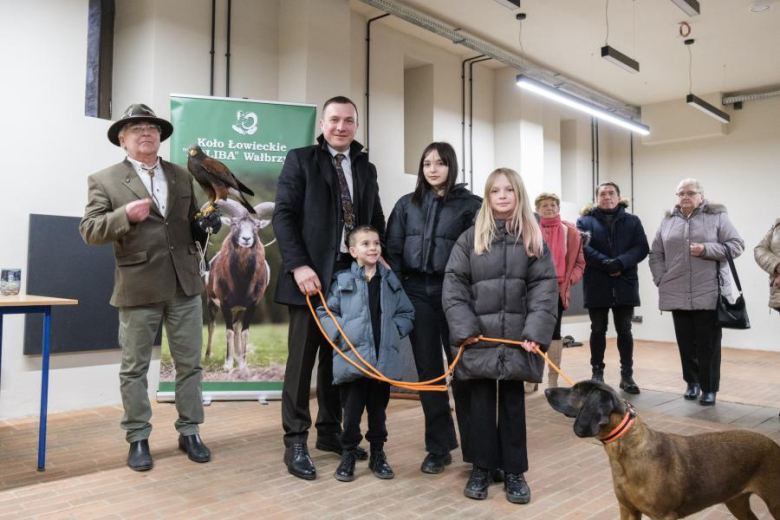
column 623, row 427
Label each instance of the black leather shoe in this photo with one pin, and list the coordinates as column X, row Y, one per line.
column 517, row 490
column 194, row 447
column 692, row 392
column 598, row 375
column 707, row 399
column 477, row 486
column 434, row 463
column 378, row 463
column 139, row 458
column 346, row 470
column 496, row 475
column 628, row 385
column 333, row 445
column 298, row 462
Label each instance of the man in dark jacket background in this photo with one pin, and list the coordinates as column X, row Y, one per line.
column 324, row 191
column 617, row 245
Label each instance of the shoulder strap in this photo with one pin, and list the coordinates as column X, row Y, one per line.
column 733, row 270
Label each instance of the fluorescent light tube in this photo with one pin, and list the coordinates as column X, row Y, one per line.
column 616, row 57
column 691, row 7
column 554, row 94
column 700, row 104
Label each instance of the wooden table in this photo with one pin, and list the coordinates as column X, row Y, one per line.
column 30, row 304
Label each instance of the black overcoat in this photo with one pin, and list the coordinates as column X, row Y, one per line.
column 624, row 240
column 307, row 217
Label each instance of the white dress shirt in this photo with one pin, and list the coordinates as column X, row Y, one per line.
column 160, row 193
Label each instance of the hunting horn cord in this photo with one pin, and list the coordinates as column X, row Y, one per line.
column 421, row 386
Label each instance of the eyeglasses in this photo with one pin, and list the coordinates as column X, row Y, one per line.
column 144, row 129
column 687, row 193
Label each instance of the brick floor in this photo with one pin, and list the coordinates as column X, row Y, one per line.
column 86, row 477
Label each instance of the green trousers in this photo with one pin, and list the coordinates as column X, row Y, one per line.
column 138, row 326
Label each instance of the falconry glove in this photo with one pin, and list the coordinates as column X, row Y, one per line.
column 210, row 223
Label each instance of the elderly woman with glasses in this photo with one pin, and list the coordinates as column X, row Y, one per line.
column 688, row 250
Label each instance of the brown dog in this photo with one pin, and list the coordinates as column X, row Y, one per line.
column 667, row 476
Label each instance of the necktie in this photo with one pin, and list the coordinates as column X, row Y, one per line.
column 150, row 171
column 347, row 210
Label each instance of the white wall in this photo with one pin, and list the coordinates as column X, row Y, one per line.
column 277, row 54
column 740, row 169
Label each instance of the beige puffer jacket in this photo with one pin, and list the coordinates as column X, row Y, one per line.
column 767, row 254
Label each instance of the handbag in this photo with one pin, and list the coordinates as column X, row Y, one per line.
column 732, row 315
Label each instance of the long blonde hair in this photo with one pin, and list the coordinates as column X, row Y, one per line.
column 521, row 223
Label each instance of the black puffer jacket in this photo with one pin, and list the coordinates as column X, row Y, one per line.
column 420, row 238
column 501, row 294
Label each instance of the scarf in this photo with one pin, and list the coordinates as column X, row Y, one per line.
column 553, row 234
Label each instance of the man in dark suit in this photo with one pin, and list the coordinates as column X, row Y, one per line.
column 145, row 207
column 324, row 191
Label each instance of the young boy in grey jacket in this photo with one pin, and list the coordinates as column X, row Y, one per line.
column 375, row 313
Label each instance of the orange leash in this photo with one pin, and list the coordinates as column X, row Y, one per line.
column 421, row 386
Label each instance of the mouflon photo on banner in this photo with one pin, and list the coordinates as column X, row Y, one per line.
column 241, row 143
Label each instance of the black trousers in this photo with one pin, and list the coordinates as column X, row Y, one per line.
column 599, row 319
column 698, row 338
column 370, row 395
column 306, row 343
column 502, row 443
column 429, row 336
column 557, row 329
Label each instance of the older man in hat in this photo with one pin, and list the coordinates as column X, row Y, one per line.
column 145, row 207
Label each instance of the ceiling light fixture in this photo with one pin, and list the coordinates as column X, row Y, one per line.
column 700, row 104
column 616, row 57
column 690, row 7
column 576, row 103
column 613, row 55
column 759, row 7
column 695, row 101
column 509, row 4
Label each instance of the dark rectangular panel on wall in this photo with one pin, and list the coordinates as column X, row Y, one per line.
column 60, row 264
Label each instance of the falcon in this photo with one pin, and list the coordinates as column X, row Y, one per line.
column 216, row 179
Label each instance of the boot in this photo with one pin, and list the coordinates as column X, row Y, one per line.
column 598, row 375
column 627, row 383
column 554, row 353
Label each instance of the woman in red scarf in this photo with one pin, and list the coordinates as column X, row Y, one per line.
column 565, row 244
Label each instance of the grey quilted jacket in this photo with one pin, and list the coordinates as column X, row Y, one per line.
column 687, row 282
column 502, row 294
column 767, row 254
column 348, row 301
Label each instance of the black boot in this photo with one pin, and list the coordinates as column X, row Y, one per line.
column 517, row 490
column 298, row 461
column 598, row 375
column 477, row 486
column 434, row 463
column 139, row 458
column 378, row 463
column 707, row 399
column 346, row 470
column 692, row 392
column 627, row 383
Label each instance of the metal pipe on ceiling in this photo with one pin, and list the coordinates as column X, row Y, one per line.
column 754, row 96
column 516, row 61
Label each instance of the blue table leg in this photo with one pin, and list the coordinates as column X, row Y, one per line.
column 1, row 346
column 44, row 388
